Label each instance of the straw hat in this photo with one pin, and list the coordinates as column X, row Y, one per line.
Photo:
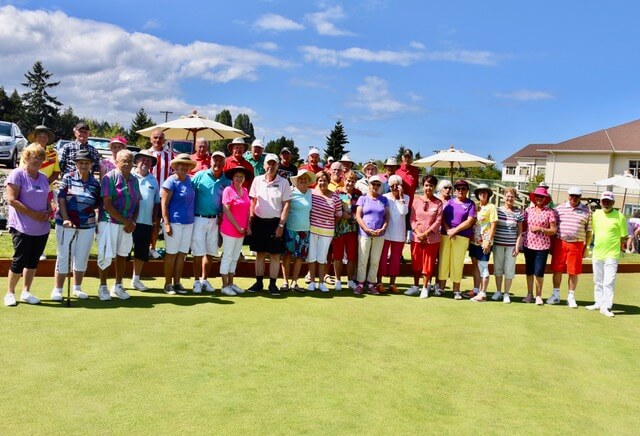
column 183, row 158
column 304, row 172
column 41, row 128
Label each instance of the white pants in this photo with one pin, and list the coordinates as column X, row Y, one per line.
column 318, row 248
column 204, row 239
column 180, row 240
column 604, row 279
column 231, row 248
column 369, row 252
column 79, row 249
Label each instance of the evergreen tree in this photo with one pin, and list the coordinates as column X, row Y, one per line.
column 140, row 121
column 335, row 142
column 65, row 124
column 223, row 117
column 243, row 122
column 40, row 106
column 11, row 108
column 276, row 146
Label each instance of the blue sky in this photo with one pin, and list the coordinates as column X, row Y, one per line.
column 489, row 77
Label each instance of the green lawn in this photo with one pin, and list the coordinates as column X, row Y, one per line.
column 320, row 364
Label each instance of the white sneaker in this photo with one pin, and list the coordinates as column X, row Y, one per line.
column 56, row 294
column 138, row 285
column 228, row 290
column 497, row 296
column 593, row 307
column 607, row 312
column 506, row 299
column 78, row 293
column 337, row 286
column 311, row 287
column 424, row 293
column 307, row 278
column 119, row 292
column 27, row 297
column 197, row 287
column 43, row 257
column 437, row 291
column 10, row 299
column 154, row 254
column 480, row 297
column 554, row 299
column 103, row 293
column 238, row 290
column 352, row 285
column 323, row 288
column 206, row 286
column 412, row 291
column 571, row 302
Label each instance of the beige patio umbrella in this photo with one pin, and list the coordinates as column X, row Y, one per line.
column 451, row 159
column 624, row 181
column 195, row 126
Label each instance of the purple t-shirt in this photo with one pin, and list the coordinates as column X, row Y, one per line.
column 33, row 194
column 182, row 203
column 372, row 212
column 455, row 213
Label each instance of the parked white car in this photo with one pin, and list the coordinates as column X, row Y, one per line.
column 12, row 142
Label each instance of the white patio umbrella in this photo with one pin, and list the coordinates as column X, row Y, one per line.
column 624, row 181
column 452, row 158
column 195, row 126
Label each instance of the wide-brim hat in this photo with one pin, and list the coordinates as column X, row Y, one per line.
column 236, row 142
column 229, row 173
column 542, row 192
column 41, row 128
column 303, row 172
column 391, row 162
column 83, row 155
column 483, row 187
column 369, row 164
column 183, row 158
column 145, row 153
column 346, row 158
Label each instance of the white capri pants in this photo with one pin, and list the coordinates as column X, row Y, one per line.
column 180, row 241
column 231, row 248
column 504, row 262
column 204, row 239
column 369, row 253
column 79, row 249
column 318, row 248
column 121, row 241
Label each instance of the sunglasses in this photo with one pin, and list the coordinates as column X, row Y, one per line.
column 446, row 187
column 375, row 184
column 461, row 188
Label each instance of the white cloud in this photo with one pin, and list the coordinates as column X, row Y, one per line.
column 417, row 45
column 267, row 46
column 477, row 57
column 379, row 103
column 151, row 24
column 525, row 95
column 277, row 22
column 323, row 21
column 109, row 73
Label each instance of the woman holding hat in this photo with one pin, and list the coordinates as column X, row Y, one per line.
column 296, row 232
column 78, row 199
column 458, row 218
column 235, row 220
column 177, row 201
column 482, row 240
column 116, row 144
column 539, row 226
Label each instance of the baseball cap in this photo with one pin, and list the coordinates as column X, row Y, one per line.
column 607, row 195
column 575, row 190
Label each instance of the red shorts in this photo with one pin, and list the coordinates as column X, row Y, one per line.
column 423, row 258
column 567, row 257
column 346, row 243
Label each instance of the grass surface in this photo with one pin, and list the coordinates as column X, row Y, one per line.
column 319, row 364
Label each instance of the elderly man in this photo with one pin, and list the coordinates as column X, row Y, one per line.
column 610, row 234
column 68, row 155
column 346, row 162
column 148, row 208
column 256, row 158
column 201, row 157
column 391, row 165
column 369, row 169
column 237, row 148
column 208, row 185
column 313, row 163
column 120, row 198
column 573, row 238
column 44, row 136
column 270, row 201
column 410, row 176
column 336, row 178
column 161, row 171
column 287, row 168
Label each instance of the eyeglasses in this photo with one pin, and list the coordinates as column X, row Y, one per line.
column 447, row 187
column 575, row 195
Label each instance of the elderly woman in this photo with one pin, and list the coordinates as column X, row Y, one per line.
column 296, row 234
column 345, row 238
column 445, row 190
column 177, row 200
column 394, row 237
column 369, row 169
column 26, row 193
column 372, row 215
column 425, row 220
column 482, row 241
column 326, row 207
column 539, row 227
column 78, row 198
column 116, row 144
column 458, row 218
column 506, row 244
column 235, row 220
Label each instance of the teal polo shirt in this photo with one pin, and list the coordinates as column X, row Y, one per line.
column 258, row 165
column 209, row 192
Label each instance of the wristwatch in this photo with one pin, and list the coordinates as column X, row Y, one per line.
column 281, row 226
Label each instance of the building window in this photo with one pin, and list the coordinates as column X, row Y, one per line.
column 634, row 168
column 510, row 171
column 540, row 171
column 524, row 171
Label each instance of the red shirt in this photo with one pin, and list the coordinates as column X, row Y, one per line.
column 232, row 162
column 201, row 163
column 410, row 176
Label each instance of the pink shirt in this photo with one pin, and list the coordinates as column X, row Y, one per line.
column 239, row 208
column 539, row 218
column 426, row 216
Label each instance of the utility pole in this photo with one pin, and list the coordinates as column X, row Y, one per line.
column 166, row 115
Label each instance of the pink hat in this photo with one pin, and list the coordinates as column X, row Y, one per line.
column 540, row 190
column 119, row 140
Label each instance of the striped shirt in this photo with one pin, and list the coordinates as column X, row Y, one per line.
column 68, row 156
column 82, row 198
column 124, row 194
column 573, row 223
column 162, row 170
column 323, row 213
column 507, row 226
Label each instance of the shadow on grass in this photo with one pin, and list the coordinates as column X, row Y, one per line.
column 139, row 301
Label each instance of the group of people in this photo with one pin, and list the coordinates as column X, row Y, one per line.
column 322, row 215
